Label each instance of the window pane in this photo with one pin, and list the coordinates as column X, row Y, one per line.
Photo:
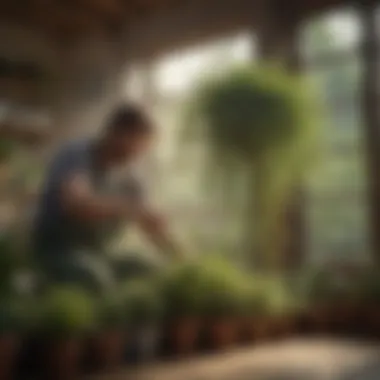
column 337, row 187
column 337, row 31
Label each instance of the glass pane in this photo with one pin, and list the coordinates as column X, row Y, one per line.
column 336, row 31
column 337, row 186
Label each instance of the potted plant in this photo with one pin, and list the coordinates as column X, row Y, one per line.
column 67, row 315
column 224, row 312
column 183, row 293
column 144, row 307
column 223, row 301
column 369, row 316
column 255, row 317
column 332, row 301
column 282, row 309
column 12, row 325
column 107, row 344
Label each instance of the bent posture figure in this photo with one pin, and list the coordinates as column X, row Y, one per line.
column 85, row 198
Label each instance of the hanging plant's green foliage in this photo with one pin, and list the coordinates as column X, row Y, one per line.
column 249, row 115
column 250, row 111
column 258, row 123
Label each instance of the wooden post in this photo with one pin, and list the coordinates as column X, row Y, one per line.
column 371, row 117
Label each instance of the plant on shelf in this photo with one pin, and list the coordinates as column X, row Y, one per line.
column 183, row 293
column 144, row 304
column 333, row 299
column 15, row 318
column 107, row 344
column 67, row 316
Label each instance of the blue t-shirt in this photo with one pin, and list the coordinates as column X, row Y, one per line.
column 55, row 230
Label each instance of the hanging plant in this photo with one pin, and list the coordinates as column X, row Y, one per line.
column 258, row 126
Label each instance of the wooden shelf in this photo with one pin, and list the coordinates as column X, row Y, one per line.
column 25, row 135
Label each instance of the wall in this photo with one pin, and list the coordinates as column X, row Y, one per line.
column 84, row 77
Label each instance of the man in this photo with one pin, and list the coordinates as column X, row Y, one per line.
column 85, row 198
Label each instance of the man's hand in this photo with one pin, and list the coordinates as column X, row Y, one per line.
column 156, row 229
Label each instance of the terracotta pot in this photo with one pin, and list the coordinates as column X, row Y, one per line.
column 147, row 340
column 320, row 319
column 108, row 349
column 224, row 332
column 373, row 320
column 345, row 317
column 257, row 329
column 9, row 348
column 63, row 358
column 283, row 326
column 184, row 334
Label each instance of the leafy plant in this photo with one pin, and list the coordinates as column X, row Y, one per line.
column 143, row 302
column 110, row 312
column 370, row 287
column 67, row 310
column 9, row 262
column 204, row 288
column 258, row 125
column 16, row 315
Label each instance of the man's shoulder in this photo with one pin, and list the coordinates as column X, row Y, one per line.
column 73, row 149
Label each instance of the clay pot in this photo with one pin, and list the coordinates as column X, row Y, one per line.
column 372, row 320
column 147, row 341
column 224, row 332
column 63, row 358
column 184, row 334
column 256, row 329
column 320, row 319
column 345, row 317
column 283, row 326
column 108, row 348
column 9, row 348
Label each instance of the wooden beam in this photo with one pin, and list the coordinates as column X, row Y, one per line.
column 113, row 8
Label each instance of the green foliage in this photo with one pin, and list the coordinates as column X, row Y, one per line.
column 203, row 288
column 67, row 310
column 258, row 123
column 370, row 287
column 17, row 314
column 9, row 262
column 182, row 290
column 110, row 311
column 143, row 301
column 253, row 110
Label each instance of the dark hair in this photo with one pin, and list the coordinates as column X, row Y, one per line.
column 129, row 119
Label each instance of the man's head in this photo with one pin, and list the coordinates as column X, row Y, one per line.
column 128, row 134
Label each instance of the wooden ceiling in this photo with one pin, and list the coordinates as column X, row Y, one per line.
column 68, row 18
column 65, row 19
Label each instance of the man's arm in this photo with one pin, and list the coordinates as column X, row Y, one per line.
column 155, row 229
column 80, row 201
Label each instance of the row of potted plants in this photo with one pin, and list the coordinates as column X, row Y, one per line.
column 68, row 326
column 342, row 301
column 178, row 306
column 205, row 303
